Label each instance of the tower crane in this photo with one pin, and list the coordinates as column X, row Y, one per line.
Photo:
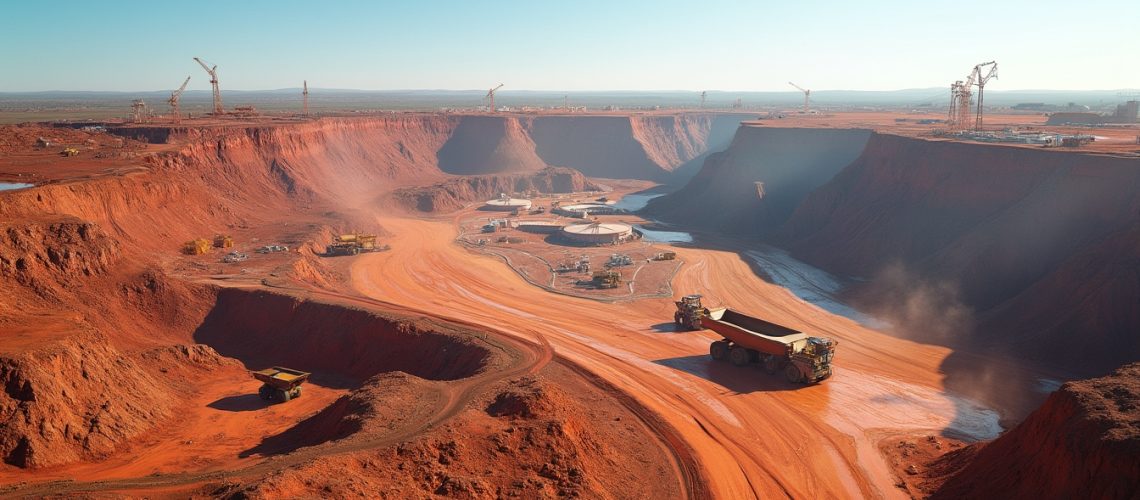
column 173, row 101
column 305, row 99
column 807, row 95
column 981, row 81
column 491, row 96
column 213, row 72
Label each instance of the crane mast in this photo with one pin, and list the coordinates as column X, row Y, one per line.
column 305, row 100
column 491, row 96
column 981, row 83
column 213, row 72
column 174, row 97
column 807, row 95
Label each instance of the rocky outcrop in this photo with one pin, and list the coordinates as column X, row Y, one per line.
column 1082, row 443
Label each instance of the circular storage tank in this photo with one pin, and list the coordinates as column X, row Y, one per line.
column 539, row 226
column 598, row 233
column 584, row 209
column 507, row 204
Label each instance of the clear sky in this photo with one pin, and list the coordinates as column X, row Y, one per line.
column 570, row 45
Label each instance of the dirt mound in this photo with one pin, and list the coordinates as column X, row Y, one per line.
column 1082, row 443
column 263, row 329
column 455, row 193
column 756, row 184
column 526, row 399
column 569, row 447
column 77, row 398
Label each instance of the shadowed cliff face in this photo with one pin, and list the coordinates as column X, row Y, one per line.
column 639, row 147
column 1030, row 251
column 755, row 185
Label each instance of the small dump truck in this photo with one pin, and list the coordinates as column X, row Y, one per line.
column 352, row 244
column 803, row 358
column 280, row 384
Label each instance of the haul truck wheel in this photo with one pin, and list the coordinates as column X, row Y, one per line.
column 265, row 392
column 793, row 373
column 677, row 319
column 719, row 350
column 771, row 364
column 739, row 356
column 282, row 396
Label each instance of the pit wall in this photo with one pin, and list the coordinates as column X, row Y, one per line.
column 263, row 329
column 638, row 147
column 723, row 196
column 1031, row 249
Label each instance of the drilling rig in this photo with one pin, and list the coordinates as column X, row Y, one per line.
column 704, row 94
column 213, row 72
column 175, row 114
column 491, row 96
column 807, row 95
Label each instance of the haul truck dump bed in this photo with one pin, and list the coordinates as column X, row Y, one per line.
column 280, row 384
column 754, row 333
column 748, row 339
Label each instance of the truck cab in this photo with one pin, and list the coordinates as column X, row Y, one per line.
column 689, row 312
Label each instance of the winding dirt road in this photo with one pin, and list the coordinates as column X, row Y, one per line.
column 754, row 434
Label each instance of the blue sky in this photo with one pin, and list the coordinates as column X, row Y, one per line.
column 579, row 45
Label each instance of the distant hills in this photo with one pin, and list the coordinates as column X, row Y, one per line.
column 349, row 99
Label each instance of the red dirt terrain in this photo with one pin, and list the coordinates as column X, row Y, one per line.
column 1081, row 443
column 437, row 370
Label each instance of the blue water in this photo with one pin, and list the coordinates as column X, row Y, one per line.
column 5, row 186
column 635, row 202
column 809, row 283
column 665, row 236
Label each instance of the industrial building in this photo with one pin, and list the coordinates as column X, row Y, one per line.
column 598, row 233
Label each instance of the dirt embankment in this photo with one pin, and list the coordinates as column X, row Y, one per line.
column 453, row 194
column 1082, row 443
column 525, row 438
column 756, row 184
column 347, row 345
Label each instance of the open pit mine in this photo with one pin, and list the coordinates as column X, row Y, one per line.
column 407, row 305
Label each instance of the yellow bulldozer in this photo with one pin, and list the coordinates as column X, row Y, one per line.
column 606, row 279
column 223, row 241
column 199, row 246
column 69, row 152
column 355, row 243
